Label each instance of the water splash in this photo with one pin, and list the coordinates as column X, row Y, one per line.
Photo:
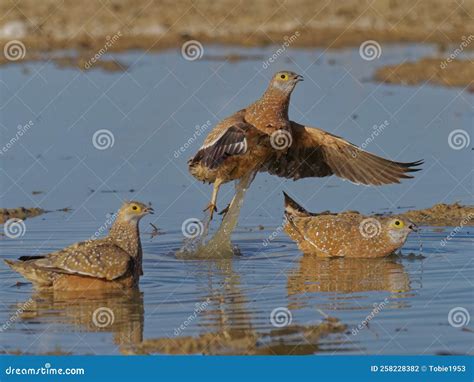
column 220, row 245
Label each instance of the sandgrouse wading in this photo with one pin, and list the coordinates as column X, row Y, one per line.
column 346, row 234
column 112, row 262
column 262, row 138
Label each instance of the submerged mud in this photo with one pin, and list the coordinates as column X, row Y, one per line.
column 293, row 339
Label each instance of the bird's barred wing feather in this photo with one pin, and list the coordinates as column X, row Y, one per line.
column 98, row 259
column 316, row 153
column 231, row 141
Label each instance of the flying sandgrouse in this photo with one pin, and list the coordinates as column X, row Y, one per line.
column 262, row 138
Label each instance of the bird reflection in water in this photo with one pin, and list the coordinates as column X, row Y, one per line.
column 229, row 327
column 120, row 313
column 348, row 276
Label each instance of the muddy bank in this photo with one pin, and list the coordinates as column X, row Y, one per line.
column 442, row 215
column 151, row 25
column 439, row 215
column 438, row 71
column 24, row 213
column 19, row 213
column 82, row 63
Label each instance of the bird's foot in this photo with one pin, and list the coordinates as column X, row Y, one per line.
column 211, row 208
column 225, row 210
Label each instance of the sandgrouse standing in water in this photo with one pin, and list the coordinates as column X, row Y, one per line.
column 346, row 234
column 262, row 138
column 113, row 262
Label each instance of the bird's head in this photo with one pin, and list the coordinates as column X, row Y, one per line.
column 285, row 81
column 133, row 211
column 398, row 229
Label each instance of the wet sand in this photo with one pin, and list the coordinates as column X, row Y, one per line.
column 151, row 25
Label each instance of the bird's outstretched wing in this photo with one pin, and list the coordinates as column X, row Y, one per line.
column 100, row 259
column 316, row 153
column 232, row 140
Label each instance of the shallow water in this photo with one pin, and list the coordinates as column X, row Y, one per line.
column 152, row 111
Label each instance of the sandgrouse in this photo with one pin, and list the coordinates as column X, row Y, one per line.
column 112, row 262
column 346, row 234
column 262, row 138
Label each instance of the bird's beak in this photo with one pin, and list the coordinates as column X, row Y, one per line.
column 299, row 78
column 149, row 210
column 413, row 227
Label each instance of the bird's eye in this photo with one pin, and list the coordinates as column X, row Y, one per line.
column 284, row 76
column 398, row 224
column 134, row 208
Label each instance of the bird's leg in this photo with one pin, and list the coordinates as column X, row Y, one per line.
column 212, row 207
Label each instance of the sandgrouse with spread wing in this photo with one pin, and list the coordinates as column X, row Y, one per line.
column 261, row 138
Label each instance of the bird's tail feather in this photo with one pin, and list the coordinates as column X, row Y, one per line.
column 293, row 209
column 36, row 275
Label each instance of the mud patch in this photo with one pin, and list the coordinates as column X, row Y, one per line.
column 19, row 213
column 82, row 63
column 433, row 70
column 442, row 215
column 294, row 339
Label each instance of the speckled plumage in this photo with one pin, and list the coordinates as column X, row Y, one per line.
column 242, row 144
column 344, row 234
column 112, row 262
